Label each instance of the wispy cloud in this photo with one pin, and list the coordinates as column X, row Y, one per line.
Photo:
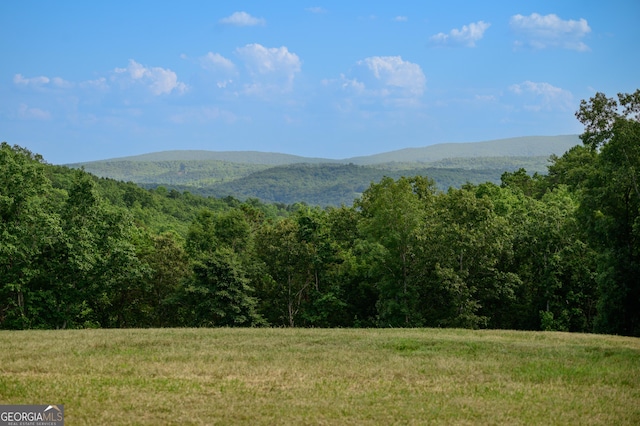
column 549, row 31
column 467, row 36
column 242, row 19
column 62, row 83
column 400, row 19
column 43, row 82
column 316, row 9
column 158, row 80
column 27, row 113
column 203, row 115
column 20, row 80
column 543, row 96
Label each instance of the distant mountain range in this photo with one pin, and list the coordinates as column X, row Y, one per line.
column 528, row 146
column 285, row 178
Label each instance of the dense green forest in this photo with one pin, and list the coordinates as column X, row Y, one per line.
column 327, row 184
column 192, row 173
column 288, row 179
column 557, row 251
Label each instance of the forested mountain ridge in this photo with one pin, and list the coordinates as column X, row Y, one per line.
column 195, row 173
column 244, row 157
column 559, row 251
column 526, row 146
column 287, row 179
column 334, row 184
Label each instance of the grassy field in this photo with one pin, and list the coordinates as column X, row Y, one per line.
column 314, row 376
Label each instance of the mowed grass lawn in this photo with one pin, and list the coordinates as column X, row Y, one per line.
column 323, row 376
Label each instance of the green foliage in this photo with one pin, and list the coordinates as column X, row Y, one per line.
column 533, row 164
column 195, row 173
column 30, row 226
column 523, row 251
column 168, row 263
column 220, row 293
column 610, row 206
column 322, row 184
column 392, row 211
column 280, row 178
column 555, row 264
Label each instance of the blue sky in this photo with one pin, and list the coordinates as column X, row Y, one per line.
column 88, row 80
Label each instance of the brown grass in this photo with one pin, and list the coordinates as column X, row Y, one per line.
column 311, row 376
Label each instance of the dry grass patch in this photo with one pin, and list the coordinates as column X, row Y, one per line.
column 303, row 376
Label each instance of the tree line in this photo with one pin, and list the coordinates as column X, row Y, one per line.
column 536, row 252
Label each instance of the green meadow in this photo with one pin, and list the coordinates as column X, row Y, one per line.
column 323, row 376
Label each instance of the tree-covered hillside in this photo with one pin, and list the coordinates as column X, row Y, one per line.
column 529, row 146
column 192, row 173
column 558, row 251
column 320, row 184
column 317, row 184
column 243, row 157
column 333, row 184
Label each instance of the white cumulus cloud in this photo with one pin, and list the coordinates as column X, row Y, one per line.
column 393, row 75
column 242, row 19
column 158, row 80
column 467, row 36
column 540, row 32
column 222, row 69
column 543, row 96
column 274, row 68
column 217, row 62
column 265, row 60
column 385, row 81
